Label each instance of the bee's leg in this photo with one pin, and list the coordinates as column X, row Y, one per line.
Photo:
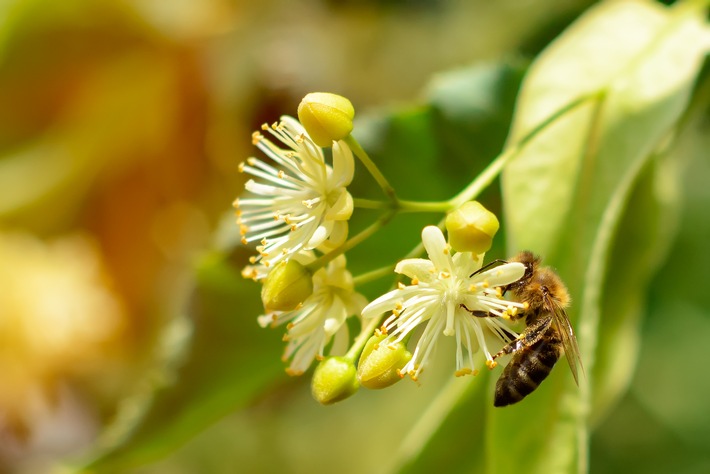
column 488, row 265
column 477, row 313
column 532, row 334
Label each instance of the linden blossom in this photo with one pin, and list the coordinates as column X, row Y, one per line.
column 441, row 287
column 320, row 318
column 299, row 204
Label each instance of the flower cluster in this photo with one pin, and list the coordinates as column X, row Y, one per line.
column 297, row 210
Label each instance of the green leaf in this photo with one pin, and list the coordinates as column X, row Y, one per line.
column 567, row 191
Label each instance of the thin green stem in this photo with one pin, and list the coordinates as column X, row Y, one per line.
column 371, row 168
column 323, row 260
column 492, row 170
column 362, row 338
column 363, row 203
column 373, row 275
column 424, row 206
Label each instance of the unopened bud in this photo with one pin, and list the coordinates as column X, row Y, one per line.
column 333, row 380
column 380, row 363
column 326, row 117
column 289, row 283
column 471, row 228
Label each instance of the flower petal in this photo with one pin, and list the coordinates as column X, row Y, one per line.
column 436, row 248
column 342, row 208
column 416, row 268
column 343, row 165
column 503, row 274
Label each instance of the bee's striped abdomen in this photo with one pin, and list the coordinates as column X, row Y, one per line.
column 526, row 370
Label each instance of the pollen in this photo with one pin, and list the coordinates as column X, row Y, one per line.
column 499, row 292
column 293, row 372
column 485, row 284
column 491, row 364
column 281, row 174
column 462, row 372
column 240, row 167
column 401, row 285
column 415, row 281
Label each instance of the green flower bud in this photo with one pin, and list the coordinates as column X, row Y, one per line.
column 380, row 363
column 289, row 283
column 471, row 228
column 333, row 380
column 326, row 117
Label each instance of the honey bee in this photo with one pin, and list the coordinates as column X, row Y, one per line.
column 547, row 333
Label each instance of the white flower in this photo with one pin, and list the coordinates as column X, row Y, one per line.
column 299, row 202
column 441, row 287
column 320, row 318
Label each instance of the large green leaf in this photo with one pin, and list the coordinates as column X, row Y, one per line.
column 566, row 193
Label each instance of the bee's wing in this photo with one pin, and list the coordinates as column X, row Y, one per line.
column 569, row 340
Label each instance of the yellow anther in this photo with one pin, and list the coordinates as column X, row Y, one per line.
column 491, row 364
column 401, row 285
column 462, row 372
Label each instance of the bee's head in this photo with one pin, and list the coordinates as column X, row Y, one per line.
column 531, row 263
